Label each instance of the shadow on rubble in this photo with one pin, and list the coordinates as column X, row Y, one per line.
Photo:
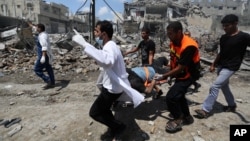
column 62, row 84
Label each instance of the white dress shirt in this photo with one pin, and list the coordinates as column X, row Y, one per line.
column 115, row 77
column 44, row 41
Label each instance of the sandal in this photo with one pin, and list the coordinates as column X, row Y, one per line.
column 201, row 113
column 173, row 126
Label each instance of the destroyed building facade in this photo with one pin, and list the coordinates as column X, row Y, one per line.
column 156, row 14
column 55, row 17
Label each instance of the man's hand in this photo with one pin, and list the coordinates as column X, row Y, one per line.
column 42, row 60
column 212, row 68
column 158, row 76
column 78, row 39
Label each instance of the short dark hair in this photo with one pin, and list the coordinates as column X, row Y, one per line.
column 231, row 18
column 106, row 26
column 41, row 26
column 98, row 23
column 145, row 29
column 176, row 26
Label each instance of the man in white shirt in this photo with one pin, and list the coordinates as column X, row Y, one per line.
column 44, row 57
column 114, row 81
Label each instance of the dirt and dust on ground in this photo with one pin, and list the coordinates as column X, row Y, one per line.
column 61, row 113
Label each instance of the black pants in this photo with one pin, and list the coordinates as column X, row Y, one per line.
column 101, row 112
column 176, row 100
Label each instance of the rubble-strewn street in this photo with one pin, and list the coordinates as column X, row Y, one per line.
column 30, row 113
column 61, row 113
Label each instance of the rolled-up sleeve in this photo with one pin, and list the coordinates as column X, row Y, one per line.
column 43, row 41
column 105, row 58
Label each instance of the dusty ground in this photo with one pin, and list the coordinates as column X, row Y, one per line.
column 61, row 113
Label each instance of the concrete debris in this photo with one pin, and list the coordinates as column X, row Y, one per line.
column 152, row 131
column 90, row 133
column 239, row 100
column 12, row 103
column 197, row 138
column 15, row 130
column 151, row 123
column 20, row 93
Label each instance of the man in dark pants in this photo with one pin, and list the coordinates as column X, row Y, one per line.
column 184, row 55
column 44, row 57
column 114, row 81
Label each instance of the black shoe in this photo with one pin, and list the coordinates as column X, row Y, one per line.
column 229, row 108
column 108, row 135
column 196, row 87
column 158, row 95
column 48, row 86
column 188, row 120
column 119, row 131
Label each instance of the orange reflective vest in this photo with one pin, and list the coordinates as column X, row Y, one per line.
column 175, row 54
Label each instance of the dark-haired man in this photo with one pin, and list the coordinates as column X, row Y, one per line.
column 147, row 47
column 44, row 56
column 184, row 56
column 233, row 46
column 114, row 81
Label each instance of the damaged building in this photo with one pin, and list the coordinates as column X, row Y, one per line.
column 152, row 14
column 200, row 17
column 156, row 14
column 54, row 16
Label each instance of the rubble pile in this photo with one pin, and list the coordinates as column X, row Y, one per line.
column 13, row 60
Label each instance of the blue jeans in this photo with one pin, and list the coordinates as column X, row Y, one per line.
column 221, row 82
column 39, row 71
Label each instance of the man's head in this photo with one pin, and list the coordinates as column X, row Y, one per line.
column 97, row 30
column 145, row 33
column 229, row 23
column 175, row 32
column 104, row 29
column 97, row 33
column 40, row 28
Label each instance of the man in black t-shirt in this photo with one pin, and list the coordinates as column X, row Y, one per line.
column 233, row 46
column 147, row 47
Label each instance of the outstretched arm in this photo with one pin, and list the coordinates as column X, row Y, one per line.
column 131, row 51
column 151, row 57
